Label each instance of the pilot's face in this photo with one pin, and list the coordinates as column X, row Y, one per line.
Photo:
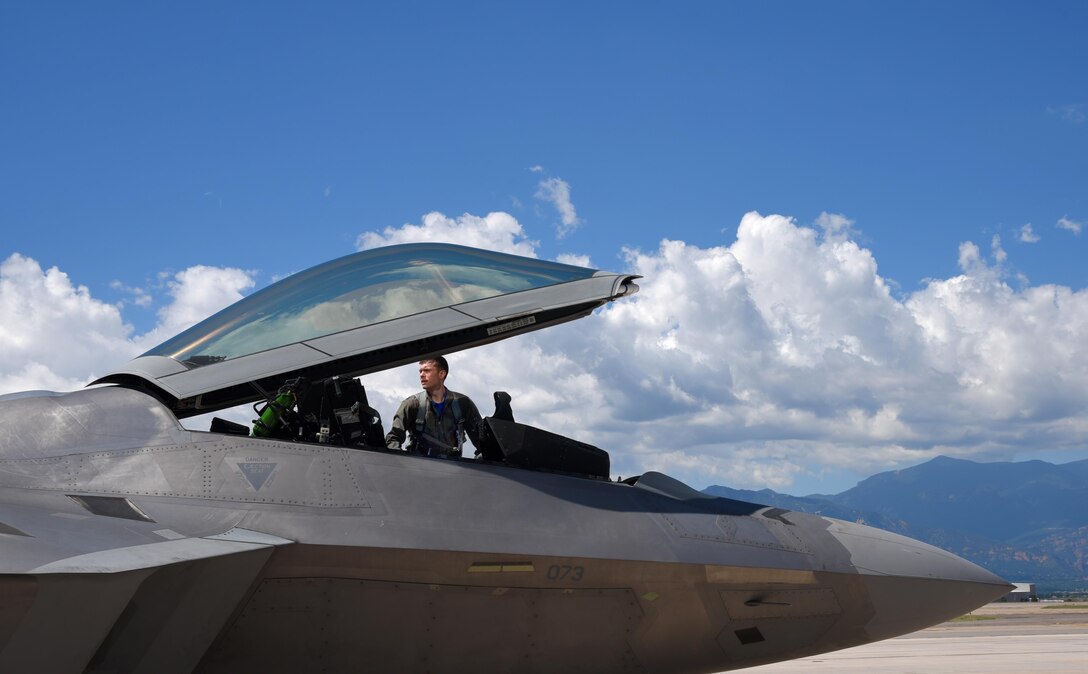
column 430, row 377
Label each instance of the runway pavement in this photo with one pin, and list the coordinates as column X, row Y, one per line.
column 996, row 639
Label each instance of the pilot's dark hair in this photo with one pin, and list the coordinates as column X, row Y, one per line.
column 439, row 362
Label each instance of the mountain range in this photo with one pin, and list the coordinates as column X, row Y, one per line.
column 1025, row 521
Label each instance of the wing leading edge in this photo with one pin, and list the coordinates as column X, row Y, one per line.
column 151, row 606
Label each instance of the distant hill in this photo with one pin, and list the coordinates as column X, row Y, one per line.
column 1025, row 521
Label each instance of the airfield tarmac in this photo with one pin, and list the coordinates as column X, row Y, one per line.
column 995, row 639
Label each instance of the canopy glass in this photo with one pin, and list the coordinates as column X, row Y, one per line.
column 357, row 290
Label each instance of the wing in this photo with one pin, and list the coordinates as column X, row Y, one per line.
column 115, row 592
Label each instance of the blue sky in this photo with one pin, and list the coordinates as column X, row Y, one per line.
column 144, row 145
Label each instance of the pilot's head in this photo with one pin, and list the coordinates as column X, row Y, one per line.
column 432, row 373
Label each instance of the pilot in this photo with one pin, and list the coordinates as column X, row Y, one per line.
column 436, row 420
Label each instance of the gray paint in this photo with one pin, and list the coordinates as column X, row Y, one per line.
column 389, row 507
column 273, row 556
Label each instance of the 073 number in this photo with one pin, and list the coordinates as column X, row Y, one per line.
column 565, row 572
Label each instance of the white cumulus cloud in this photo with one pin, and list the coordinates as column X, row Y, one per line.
column 556, row 191
column 575, row 259
column 1028, row 235
column 999, row 254
column 56, row 336
column 1070, row 225
column 53, row 332
column 495, row 231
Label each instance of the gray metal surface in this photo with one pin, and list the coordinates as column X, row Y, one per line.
column 281, row 556
column 145, row 547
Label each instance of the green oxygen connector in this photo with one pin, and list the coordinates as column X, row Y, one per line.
column 273, row 413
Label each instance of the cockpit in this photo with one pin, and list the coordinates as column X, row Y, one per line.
column 296, row 347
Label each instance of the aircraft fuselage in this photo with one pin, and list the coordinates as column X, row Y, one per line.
column 183, row 550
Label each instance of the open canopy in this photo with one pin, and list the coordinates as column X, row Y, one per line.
column 362, row 313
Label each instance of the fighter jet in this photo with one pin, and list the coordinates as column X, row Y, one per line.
column 301, row 543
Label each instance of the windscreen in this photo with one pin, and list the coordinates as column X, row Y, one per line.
column 357, row 290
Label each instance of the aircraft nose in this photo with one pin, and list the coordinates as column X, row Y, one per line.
column 911, row 584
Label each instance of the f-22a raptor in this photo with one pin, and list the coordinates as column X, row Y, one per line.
column 131, row 544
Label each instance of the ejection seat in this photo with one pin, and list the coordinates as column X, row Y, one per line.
column 339, row 408
column 330, row 411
